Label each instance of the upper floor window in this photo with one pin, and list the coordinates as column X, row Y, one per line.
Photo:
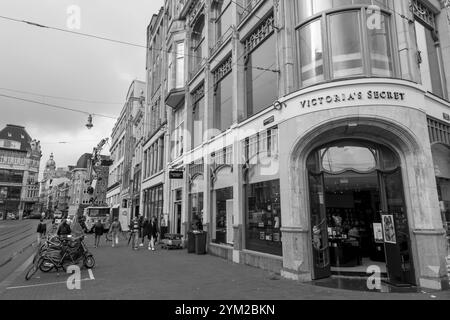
column 198, row 108
column 223, row 16
column 260, row 66
column 177, row 140
column 199, row 44
column 179, row 82
column 307, row 8
column 428, row 49
column 175, row 66
column 223, row 96
column 344, row 34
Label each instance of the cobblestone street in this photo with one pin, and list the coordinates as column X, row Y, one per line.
column 171, row 275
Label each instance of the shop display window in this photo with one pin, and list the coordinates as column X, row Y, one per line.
column 263, row 232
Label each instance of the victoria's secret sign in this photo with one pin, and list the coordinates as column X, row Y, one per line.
column 353, row 96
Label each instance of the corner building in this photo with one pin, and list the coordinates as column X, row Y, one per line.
column 314, row 135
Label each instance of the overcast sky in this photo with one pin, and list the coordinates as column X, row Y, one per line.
column 53, row 63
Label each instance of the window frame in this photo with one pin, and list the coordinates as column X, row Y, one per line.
column 323, row 17
column 218, row 18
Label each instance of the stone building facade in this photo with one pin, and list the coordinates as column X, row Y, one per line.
column 20, row 158
column 313, row 136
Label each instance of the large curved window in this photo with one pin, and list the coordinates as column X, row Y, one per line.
column 336, row 41
column 349, row 155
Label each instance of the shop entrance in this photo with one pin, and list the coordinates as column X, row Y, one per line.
column 358, row 215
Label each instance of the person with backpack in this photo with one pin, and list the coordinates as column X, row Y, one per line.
column 98, row 231
column 41, row 230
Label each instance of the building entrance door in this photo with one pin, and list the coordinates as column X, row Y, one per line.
column 358, row 215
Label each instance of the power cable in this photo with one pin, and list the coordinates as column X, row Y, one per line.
column 57, row 106
column 59, row 97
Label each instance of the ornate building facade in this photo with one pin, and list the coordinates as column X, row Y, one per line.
column 20, row 157
column 310, row 138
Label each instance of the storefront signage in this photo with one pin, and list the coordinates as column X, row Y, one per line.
column 176, row 174
column 352, row 97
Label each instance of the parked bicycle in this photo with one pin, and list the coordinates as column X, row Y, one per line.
column 72, row 251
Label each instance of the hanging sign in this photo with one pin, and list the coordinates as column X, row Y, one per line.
column 176, row 174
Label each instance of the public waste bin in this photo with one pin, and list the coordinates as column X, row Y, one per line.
column 191, row 242
column 200, row 242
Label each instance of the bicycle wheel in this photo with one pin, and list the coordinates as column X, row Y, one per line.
column 46, row 266
column 89, row 262
column 31, row 272
column 108, row 237
column 33, row 269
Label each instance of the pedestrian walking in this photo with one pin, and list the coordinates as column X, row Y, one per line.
column 141, row 230
column 152, row 233
column 114, row 229
column 144, row 231
column 134, row 227
column 41, row 230
column 98, row 231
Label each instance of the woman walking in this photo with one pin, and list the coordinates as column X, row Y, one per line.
column 98, row 230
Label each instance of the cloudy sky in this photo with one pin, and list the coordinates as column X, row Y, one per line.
column 91, row 75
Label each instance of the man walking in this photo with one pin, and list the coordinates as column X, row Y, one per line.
column 144, row 231
column 135, row 233
column 152, row 233
column 41, row 230
column 98, row 231
column 114, row 229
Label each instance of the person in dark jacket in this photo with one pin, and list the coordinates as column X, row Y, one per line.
column 64, row 229
column 152, row 233
column 98, row 231
column 134, row 235
column 144, row 231
column 41, row 230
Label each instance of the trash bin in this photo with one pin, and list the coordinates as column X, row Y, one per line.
column 191, row 242
column 200, row 243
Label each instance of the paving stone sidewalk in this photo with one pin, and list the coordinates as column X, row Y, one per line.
column 122, row 273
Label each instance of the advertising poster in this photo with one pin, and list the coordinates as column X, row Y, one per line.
column 389, row 229
column 378, row 232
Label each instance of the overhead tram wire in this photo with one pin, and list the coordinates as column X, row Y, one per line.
column 57, row 106
column 114, row 41
column 102, row 38
column 61, row 98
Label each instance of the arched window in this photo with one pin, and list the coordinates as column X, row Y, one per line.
column 349, row 155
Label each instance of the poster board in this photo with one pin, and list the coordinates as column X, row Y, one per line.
column 389, row 229
column 378, row 232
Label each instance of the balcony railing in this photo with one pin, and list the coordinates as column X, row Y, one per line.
column 252, row 4
column 219, row 43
